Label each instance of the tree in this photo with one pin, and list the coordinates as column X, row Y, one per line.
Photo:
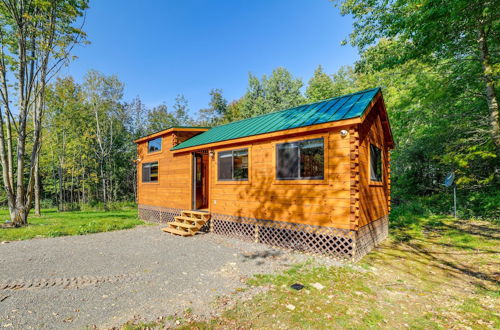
column 137, row 114
column 159, row 119
column 437, row 120
column 278, row 91
column 438, row 32
column 320, row 86
column 233, row 111
column 103, row 95
column 68, row 144
column 216, row 112
column 345, row 81
column 181, row 111
column 36, row 39
column 88, row 153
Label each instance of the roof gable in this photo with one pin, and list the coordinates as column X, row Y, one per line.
column 171, row 130
column 330, row 110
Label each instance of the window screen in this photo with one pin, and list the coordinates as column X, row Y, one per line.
column 288, row 161
column 300, row 160
column 233, row 165
column 154, row 145
column 375, row 163
column 226, row 165
column 150, row 172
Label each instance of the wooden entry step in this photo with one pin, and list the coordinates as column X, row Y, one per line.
column 188, row 223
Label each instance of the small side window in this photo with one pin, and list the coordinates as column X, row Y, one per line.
column 375, row 163
column 233, row 165
column 154, row 145
column 150, row 172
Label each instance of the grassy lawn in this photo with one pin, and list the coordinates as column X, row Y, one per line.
column 53, row 223
column 437, row 273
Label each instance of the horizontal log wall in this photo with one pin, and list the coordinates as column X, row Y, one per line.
column 374, row 197
column 317, row 202
column 173, row 189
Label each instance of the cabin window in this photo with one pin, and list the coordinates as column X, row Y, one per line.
column 150, row 172
column 233, row 165
column 154, row 145
column 375, row 163
column 301, row 160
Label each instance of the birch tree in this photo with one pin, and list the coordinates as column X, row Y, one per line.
column 36, row 38
column 103, row 96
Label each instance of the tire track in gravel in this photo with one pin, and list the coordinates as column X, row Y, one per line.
column 66, row 283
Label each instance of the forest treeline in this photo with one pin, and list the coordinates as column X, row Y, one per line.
column 437, row 63
column 88, row 154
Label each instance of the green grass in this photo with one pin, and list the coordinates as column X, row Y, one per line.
column 434, row 272
column 53, row 223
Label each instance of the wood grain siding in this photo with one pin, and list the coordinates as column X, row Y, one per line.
column 354, row 178
column 181, row 136
column 373, row 196
column 173, row 189
column 345, row 198
column 316, row 202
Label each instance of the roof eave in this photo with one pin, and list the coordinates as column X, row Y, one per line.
column 297, row 130
column 171, row 130
column 385, row 117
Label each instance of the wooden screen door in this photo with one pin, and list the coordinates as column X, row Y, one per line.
column 200, row 181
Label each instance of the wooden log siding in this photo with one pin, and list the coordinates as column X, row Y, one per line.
column 344, row 214
column 354, row 178
column 173, row 189
column 315, row 202
column 344, row 199
column 374, row 197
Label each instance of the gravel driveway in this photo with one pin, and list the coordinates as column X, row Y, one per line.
column 109, row 278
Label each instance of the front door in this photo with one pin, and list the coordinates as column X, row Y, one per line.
column 200, row 182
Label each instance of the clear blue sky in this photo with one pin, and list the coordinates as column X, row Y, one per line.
column 161, row 48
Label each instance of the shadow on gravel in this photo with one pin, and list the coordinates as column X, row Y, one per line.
column 262, row 255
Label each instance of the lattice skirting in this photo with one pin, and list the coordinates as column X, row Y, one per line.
column 157, row 214
column 371, row 235
column 340, row 243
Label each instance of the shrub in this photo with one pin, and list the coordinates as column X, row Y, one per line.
column 89, row 228
column 55, row 233
column 408, row 214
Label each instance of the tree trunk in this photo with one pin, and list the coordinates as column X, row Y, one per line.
column 72, row 183
column 37, row 187
column 54, row 176
column 103, row 184
column 19, row 216
column 490, row 86
column 61, row 196
column 84, row 200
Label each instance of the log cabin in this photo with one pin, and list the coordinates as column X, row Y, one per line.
column 314, row 178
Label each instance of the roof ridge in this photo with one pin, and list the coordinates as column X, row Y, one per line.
column 298, row 106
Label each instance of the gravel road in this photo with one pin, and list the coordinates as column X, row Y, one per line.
column 107, row 279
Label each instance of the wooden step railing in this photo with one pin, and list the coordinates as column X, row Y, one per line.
column 188, row 223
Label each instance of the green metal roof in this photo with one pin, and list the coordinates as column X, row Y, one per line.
column 334, row 109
